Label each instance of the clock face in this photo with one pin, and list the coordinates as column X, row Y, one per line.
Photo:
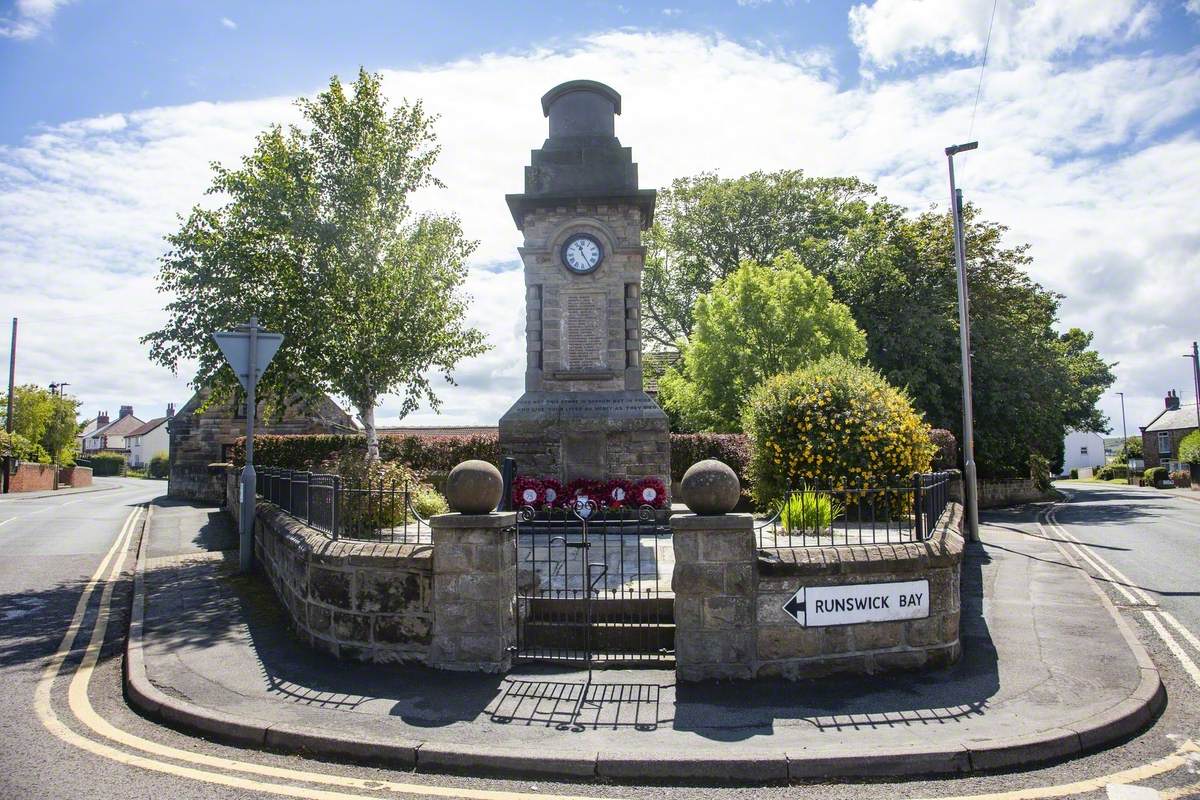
column 582, row 253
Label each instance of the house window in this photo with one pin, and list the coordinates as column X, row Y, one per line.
column 1164, row 443
column 1083, row 451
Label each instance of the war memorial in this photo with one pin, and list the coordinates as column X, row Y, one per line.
column 587, row 560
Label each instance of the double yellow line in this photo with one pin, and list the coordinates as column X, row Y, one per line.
column 185, row 764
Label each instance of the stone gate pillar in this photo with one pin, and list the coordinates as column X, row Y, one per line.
column 474, row 574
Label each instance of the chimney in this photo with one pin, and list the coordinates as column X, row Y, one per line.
column 101, row 419
column 170, row 410
column 1172, row 401
column 126, row 411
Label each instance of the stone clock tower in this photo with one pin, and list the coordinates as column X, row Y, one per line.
column 584, row 414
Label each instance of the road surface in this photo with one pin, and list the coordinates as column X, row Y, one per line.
column 64, row 576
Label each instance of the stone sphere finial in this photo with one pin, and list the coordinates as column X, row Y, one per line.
column 710, row 487
column 474, row 487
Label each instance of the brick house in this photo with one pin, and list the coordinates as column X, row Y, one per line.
column 199, row 439
column 1161, row 438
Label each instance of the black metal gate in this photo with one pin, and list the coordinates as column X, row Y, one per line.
column 594, row 585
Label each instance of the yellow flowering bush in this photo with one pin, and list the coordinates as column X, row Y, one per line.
column 832, row 422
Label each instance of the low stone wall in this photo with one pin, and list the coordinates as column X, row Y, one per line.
column 998, row 494
column 75, row 477
column 358, row 600
column 729, row 610
column 206, row 484
column 31, row 478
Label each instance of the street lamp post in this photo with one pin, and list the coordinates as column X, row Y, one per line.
column 1124, row 435
column 970, row 491
column 1195, row 357
column 56, row 390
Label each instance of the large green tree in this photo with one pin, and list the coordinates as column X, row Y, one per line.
column 45, row 422
column 315, row 235
column 756, row 322
column 895, row 272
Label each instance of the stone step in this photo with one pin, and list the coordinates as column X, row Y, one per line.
column 605, row 638
column 632, row 610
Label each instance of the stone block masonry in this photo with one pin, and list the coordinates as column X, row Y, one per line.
column 365, row 601
column 474, row 591
column 730, row 620
column 713, row 583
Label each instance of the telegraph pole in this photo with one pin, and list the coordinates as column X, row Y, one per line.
column 1194, row 356
column 970, row 491
column 8, row 420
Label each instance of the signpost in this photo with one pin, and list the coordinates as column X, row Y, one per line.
column 815, row 606
column 248, row 349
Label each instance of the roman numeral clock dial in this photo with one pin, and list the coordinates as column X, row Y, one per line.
column 582, row 253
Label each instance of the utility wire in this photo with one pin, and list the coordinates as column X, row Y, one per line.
column 979, row 87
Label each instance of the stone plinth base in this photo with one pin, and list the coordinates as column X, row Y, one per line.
column 588, row 434
column 474, row 591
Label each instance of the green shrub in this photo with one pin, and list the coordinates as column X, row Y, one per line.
column 945, row 456
column 806, row 511
column 22, row 449
column 1039, row 470
column 426, row 502
column 160, row 465
column 731, row 448
column 108, row 464
column 1189, row 448
column 832, row 421
column 1074, row 474
column 1111, row 472
column 1154, row 476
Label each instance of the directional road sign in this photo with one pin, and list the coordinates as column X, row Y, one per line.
column 814, row 606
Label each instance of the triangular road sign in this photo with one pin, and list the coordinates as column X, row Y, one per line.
column 235, row 345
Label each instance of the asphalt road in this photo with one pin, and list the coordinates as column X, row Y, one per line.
column 1150, row 537
column 51, row 547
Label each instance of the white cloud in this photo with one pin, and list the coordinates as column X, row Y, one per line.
column 1087, row 163
column 29, row 18
column 675, row 12
column 1192, row 7
column 228, row 23
column 892, row 32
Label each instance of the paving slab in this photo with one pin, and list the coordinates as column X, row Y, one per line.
column 1048, row 671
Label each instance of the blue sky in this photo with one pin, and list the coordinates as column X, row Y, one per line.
column 1088, row 122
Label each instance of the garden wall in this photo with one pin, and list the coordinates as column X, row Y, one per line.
column 75, row 477
column 998, row 494
column 730, row 620
column 366, row 601
column 31, row 478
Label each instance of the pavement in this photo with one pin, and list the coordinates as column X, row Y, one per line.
column 1050, row 670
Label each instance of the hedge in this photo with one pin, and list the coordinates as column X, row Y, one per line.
column 423, row 454
column 732, row 448
column 107, row 464
column 946, row 454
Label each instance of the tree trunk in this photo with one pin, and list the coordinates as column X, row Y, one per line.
column 366, row 415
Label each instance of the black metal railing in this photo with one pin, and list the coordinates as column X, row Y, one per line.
column 593, row 584
column 846, row 512
column 377, row 511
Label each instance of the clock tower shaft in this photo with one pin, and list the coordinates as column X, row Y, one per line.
column 584, row 413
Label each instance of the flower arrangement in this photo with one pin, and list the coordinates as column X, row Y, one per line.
column 650, row 492
column 552, row 492
column 584, row 487
column 529, row 492
column 619, row 493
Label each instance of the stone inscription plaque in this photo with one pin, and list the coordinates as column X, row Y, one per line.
column 584, row 455
column 584, row 330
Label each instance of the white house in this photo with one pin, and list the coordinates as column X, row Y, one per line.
column 150, row 439
column 110, row 436
column 1082, row 449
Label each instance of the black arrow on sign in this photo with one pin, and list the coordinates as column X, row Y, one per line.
column 795, row 608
